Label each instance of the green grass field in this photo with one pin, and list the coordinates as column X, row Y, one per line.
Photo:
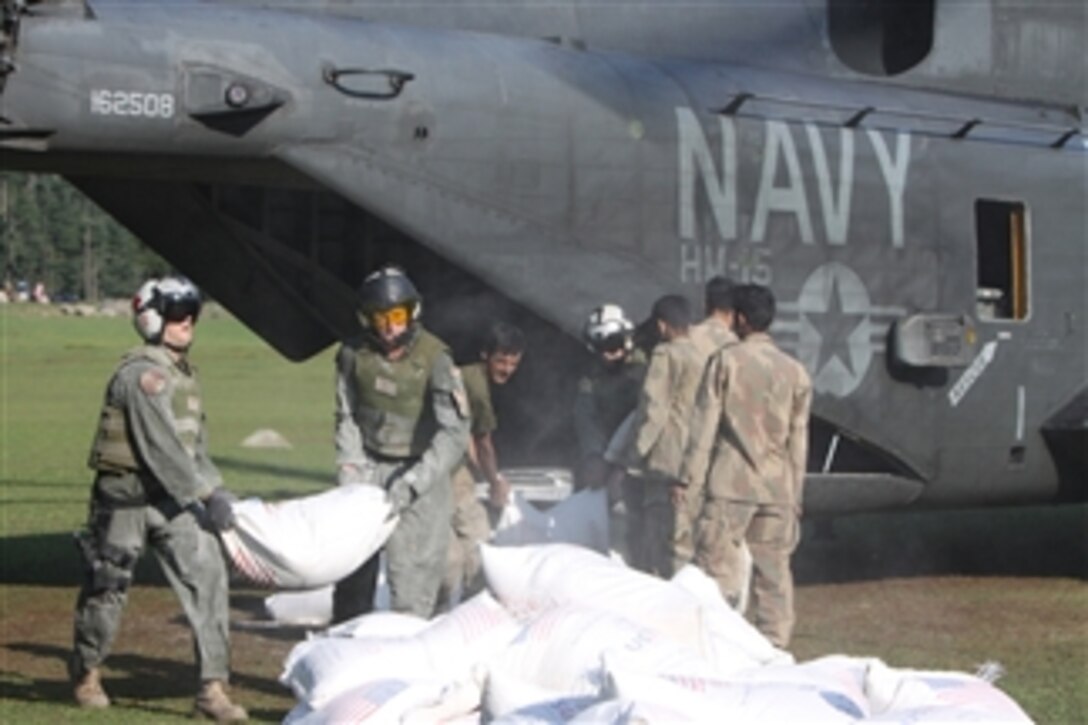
column 53, row 369
column 935, row 591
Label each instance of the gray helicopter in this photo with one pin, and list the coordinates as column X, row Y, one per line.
column 909, row 178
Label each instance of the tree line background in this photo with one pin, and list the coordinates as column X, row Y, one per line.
column 51, row 233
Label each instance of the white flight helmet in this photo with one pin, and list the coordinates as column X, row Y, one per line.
column 161, row 300
column 608, row 329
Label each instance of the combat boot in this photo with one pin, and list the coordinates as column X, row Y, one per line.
column 88, row 690
column 213, row 702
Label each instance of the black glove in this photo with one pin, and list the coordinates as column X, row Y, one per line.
column 220, row 510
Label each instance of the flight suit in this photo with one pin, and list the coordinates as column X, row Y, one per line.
column 150, row 455
column 749, row 440
column 401, row 423
column 668, row 394
column 708, row 337
column 605, row 398
column 469, row 525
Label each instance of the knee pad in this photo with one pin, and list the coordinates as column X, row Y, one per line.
column 108, row 567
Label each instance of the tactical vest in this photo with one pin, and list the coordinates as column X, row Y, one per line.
column 393, row 409
column 112, row 449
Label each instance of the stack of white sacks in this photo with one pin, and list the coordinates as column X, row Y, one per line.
column 564, row 633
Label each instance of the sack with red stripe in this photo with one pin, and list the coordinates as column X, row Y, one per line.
column 307, row 542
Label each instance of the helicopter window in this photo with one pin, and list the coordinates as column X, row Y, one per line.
column 1002, row 292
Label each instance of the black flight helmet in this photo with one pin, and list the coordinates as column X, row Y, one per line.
column 388, row 290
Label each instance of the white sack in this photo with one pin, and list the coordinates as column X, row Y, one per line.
column 702, row 584
column 387, row 700
column 729, row 640
column 507, row 698
column 580, row 519
column 322, row 668
column 826, row 691
column 306, row 608
column 472, row 718
column 628, row 712
column 447, row 650
column 313, row 608
column 379, row 624
column 562, row 650
column 923, row 696
column 532, row 578
column 960, row 712
column 308, row 542
column 471, row 634
column 457, row 701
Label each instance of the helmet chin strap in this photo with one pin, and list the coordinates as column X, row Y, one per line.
column 179, row 349
column 402, row 340
column 614, row 365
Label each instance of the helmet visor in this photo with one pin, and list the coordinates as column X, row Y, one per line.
column 612, row 343
column 179, row 308
column 393, row 317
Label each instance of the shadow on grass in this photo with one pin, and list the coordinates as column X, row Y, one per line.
column 256, row 622
column 47, row 559
column 1026, row 541
column 126, row 677
column 81, row 485
column 53, row 560
column 323, row 477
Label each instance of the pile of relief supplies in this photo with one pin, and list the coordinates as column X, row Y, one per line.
column 562, row 633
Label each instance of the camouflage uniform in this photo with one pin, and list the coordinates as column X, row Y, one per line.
column 605, row 398
column 709, row 336
column 150, row 454
column 405, row 421
column 668, row 394
column 469, row 523
column 750, row 430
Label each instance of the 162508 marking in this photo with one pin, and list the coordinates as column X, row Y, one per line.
column 141, row 104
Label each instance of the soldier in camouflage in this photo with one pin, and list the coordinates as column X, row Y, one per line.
column 155, row 484
column 709, row 336
column 500, row 357
column 661, row 430
column 716, row 330
column 401, row 424
column 749, row 442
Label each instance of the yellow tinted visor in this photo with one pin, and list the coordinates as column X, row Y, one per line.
column 394, row 316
